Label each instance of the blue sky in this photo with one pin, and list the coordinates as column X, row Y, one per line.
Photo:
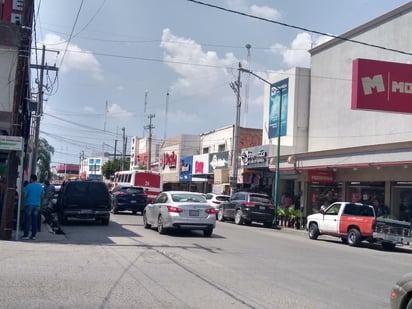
column 117, row 61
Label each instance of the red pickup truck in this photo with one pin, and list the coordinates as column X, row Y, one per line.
column 355, row 222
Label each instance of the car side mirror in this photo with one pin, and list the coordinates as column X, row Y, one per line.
column 322, row 211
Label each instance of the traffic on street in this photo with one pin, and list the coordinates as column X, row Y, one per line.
column 124, row 265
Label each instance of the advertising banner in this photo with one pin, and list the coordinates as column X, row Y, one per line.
column 277, row 103
column 185, row 173
column 219, row 160
column 381, row 86
column 201, row 164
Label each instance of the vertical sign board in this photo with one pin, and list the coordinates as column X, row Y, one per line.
column 381, row 86
column 274, row 107
column 12, row 11
column 15, row 143
column 185, row 173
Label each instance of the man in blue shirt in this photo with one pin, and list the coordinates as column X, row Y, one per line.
column 33, row 194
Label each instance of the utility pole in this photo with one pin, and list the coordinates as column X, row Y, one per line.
column 115, row 149
column 150, row 127
column 124, row 148
column 39, row 110
column 235, row 147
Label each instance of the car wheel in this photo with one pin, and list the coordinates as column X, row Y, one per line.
column 267, row 224
column 145, row 224
column 160, row 227
column 208, row 232
column 313, row 231
column 247, row 222
column 134, row 212
column 344, row 240
column 220, row 215
column 115, row 209
column 105, row 221
column 238, row 217
column 409, row 305
column 388, row 246
column 354, row 237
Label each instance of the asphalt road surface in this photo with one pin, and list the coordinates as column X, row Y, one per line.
column 124, row 265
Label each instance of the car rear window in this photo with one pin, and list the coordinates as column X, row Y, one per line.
column 222, row 198
column 358, row 210
column 132, row 190
column 260, row 199
column 188, row 198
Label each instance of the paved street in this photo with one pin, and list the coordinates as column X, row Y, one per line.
column 124, row 265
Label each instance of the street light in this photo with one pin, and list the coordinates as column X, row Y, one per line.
column 279, row 122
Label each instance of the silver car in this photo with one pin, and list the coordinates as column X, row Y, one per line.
column 180, row 210
column 401, row 294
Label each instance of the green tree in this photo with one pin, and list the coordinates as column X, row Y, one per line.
column 44, row 153
column 110, row 167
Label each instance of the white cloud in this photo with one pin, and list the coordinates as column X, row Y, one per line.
column 201, row 74
column 75, row 59
column 265, row 12
column 89, row 109
column 261, row 11
column 297, row 54
column 116, row 111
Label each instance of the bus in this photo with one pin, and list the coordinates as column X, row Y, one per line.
column 150, row 181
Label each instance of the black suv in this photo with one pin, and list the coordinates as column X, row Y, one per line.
column 128, row 198
column 83, row 199
column 245, row 207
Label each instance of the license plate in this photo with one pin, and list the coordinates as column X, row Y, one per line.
column 133, row 202
column 85, row 211
column 193, row 212
column 262, row 207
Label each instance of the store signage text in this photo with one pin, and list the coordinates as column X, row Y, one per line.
column 169, row 159
column 380, row 85
column 249, row 157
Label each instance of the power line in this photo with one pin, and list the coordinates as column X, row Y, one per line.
column 300, row 28
column 71, row 33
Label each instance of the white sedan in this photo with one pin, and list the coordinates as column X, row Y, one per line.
column 180, row 210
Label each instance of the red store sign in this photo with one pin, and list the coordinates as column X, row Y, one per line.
column 321, row 176
column 382, row 86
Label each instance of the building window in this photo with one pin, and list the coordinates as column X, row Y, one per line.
column 206, row 150
column 221, row 148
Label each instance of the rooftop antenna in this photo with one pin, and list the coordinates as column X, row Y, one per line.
column 248, row 46
column 144, row 111
column 166, row 112
column 106, row 109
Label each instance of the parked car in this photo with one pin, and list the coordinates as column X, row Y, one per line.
column 401, row 295
column 215, row 200
column 129, row 198
column 180, row 210
column 81, row 199
column 246, row 207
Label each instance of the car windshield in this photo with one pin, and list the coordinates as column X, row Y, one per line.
column 184, row 197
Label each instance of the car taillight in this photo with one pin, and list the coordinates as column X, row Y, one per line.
column 211, row 211
column 250, row 204
column 216, row 202
column 174, row 209
column 122, row 194
column 271, row 206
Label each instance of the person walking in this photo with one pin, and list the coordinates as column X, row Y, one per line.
column 33, row 195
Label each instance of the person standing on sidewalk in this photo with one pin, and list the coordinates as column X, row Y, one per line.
column 33, row 195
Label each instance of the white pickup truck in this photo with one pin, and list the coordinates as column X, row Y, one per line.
column 355, row 222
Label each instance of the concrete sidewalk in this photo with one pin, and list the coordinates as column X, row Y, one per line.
column 46, row 234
